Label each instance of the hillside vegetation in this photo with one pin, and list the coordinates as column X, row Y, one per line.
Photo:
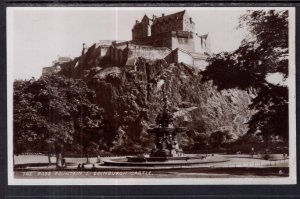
column 131, row 98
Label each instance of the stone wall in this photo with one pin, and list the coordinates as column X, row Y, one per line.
column 184, row 57
column 125, row 53
column 161, row 40
column 121, row 45
column 184, row 43
column 118, row 56
column 147, row 52
column 196, row 60
column 178, row 55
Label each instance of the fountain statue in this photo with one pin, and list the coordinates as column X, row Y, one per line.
column 166, row 143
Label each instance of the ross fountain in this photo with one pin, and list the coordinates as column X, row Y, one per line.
column 166, row 152
column 166, row 143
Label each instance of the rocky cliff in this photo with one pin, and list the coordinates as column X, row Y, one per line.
column 131, row 97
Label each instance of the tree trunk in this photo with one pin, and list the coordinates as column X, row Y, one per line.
column 59, row 147
column 98, row 158
column 59, row 159
column 49, row 157
column 87, row 156
column 98, row 155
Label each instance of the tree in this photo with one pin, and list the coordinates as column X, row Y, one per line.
column 263, row 52
column 246, row 142
column 219, row 138
column 54, row 110
column 28, row 124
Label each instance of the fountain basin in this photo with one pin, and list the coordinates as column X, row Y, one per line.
column 164, row 161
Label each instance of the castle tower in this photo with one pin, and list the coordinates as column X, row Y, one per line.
column 141, row 29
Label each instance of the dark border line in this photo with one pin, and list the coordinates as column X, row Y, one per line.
column 292, row 3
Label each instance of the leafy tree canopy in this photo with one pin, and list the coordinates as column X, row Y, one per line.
column 54, row 109
column 264, row 51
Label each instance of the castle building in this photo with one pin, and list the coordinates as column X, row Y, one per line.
column 170, row 37
column 173, row 31
column 56, row 66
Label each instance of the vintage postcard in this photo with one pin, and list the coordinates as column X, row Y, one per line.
column 150, row 96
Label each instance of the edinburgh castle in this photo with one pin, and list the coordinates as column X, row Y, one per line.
column 169, row 37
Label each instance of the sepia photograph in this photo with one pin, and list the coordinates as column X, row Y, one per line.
column 151, row 95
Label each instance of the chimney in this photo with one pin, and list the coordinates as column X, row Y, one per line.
column 163, row 14
column 191, row 20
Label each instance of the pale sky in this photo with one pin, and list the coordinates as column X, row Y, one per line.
column 37, row 36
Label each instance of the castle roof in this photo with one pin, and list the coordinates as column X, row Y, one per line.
column 145, row 19
column 174, row 16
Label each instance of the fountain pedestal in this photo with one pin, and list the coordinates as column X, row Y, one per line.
column 166, row 143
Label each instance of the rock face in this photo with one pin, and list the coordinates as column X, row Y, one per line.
column 131, row 97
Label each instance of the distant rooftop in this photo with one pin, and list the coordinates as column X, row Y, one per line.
column 63, row 59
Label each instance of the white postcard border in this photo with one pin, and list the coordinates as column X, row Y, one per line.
column 292, row 179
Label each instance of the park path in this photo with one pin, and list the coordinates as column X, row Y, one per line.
column 234, row 161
